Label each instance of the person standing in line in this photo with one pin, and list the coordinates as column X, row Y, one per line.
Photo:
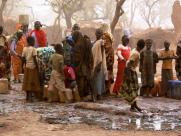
column 148, row 61
column 31, row 83
column 123, row 53
column 108, row 46
column 99, row 74
column 16, row 48
column 39, row 35
column 178, row 61
column 130, row 86
column 5, row 58
column 82, row 60
column 166, row 56
column 57, row 75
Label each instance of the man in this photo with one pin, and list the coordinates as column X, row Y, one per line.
column 148, row 61
column 5, row 59
column 130, row 87
column 82, row 61
column 100, row 73
column 75, row 27
column 39, row 35
column 167, row 74
column 178, row 61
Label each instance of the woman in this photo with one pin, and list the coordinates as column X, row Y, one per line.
column 109, row 51
column 99, row 65
column 17, row 46
column 130, row 87
column 123, row 53
column 5, row 58
column 31, row 82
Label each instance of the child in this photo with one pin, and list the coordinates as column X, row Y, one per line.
column 57, row 75
column 31, row 82
column 148, row 60
column 166, row 56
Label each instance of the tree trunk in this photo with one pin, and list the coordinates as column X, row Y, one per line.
column 118, row 12
column 2, row 7
column 68, row 19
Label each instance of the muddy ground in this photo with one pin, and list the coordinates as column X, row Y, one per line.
column 161, row 116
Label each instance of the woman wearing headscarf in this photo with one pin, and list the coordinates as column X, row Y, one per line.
column 16, row 48
column 99, row 65
column 109, row 51
column 39, row 35
column 123, row 53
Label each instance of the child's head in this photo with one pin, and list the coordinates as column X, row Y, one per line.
column 59, row 49
column 125, row 40
column 30, row 41
column 148, row 43
column 140, row 44
column 166, row 45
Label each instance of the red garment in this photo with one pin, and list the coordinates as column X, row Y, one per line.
column 69, row 75
column 121, row 67
column 41, row 37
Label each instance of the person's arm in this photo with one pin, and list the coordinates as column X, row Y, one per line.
column 141, row 61
column 173, row 56
column 120, row 55
column 34, row 54
column 61, row 68
column 13, row 47
column 23, row 57
column 156, row 57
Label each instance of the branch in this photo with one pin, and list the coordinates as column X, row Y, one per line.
column 118, row 12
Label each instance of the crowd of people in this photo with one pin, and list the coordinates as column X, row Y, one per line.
column 83, row 68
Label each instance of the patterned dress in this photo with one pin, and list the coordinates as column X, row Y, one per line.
column 130, row 87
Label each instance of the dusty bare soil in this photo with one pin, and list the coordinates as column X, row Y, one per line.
column 28, row 124
column 162, row 117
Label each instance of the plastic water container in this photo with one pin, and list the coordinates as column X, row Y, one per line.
column 21, row 77
column 174, row 89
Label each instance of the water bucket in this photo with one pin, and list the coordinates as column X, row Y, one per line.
column 21, row 77
column 4, row 86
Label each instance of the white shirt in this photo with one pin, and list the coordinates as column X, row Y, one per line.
column 29, row 52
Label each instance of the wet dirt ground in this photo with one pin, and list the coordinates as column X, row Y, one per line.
column 161, row 116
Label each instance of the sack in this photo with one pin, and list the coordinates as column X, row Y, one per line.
column 62, row 97
column 69, row 95
column 53, row 95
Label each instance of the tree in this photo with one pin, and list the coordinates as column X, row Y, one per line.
column 133, row 7
column 2, row 7
column 67, row 7
column 118, row 12
column 148, row 11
